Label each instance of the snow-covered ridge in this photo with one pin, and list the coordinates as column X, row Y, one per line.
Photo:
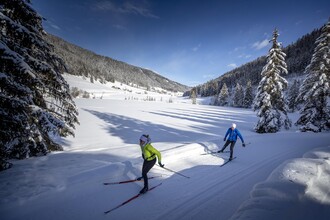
column 116, row 90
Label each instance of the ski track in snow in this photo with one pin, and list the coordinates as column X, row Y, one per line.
column 213, row 193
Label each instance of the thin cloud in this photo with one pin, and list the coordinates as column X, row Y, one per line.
column 245, row 56
column 126, row 8
column 239, row 48
column 55, row 26
column 260, row 44
column 209, row 76
column 196, row 48
column 104, row 6
column 52, row 24
column 232, row 65
column 139, row 10
column 119, row 27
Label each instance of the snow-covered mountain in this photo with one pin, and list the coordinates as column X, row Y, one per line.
column 82, row 62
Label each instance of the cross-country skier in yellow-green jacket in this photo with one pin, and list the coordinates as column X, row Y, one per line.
column 149, row 154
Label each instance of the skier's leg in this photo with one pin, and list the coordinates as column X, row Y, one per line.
column 224, row 146
column 232, row 144
column 147, row 165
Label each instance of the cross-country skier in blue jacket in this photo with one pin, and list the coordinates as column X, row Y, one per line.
column 232, row 134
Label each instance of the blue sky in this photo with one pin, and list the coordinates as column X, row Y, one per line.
column 188, row 41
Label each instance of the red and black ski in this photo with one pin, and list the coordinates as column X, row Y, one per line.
column 215, row 152
column 129, row 200
column 227, row 162
column 129, row 181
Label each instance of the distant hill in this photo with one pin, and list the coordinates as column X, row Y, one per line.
column 299, row 55
column 82, row 62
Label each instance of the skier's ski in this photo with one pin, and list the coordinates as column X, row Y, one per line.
column 211, row 152
column 227, row 162
column 129, row 200
column 129, row 181
column 215, row 152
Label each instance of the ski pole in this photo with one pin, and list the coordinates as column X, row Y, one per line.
column 174, row 171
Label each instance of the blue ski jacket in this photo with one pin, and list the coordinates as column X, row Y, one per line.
column 233, row 135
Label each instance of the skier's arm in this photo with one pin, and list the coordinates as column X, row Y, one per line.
column 240, row 136
column 156, row 152
column 226, row 134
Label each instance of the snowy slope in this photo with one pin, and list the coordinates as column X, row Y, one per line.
column 278, row 176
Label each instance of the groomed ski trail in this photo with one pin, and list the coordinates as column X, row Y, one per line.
column 215, row 193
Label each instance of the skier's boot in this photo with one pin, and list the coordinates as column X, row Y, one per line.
column 144, row 190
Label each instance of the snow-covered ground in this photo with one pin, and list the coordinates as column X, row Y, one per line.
column 277, row 176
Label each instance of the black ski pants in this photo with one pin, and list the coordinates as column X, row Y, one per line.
column 232, row 144
column 147, row 165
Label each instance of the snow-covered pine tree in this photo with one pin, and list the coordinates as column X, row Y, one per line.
column 269, row 101
column 293, row 95
column 35, row 103
column 238, row 96
column 193, row 96
column 248, row 95
column 223, row 95
column 315, row 89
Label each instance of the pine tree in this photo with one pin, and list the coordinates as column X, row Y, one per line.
column 269, row 100
column 238, row 96
column 193, row 96
column 223, row 96
column 35, row 103
column 293, row 95
column 248, row 96
column 315, row 89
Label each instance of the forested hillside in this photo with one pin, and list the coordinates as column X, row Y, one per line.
column 298, row 55
column 35, row 100
column 83, row 62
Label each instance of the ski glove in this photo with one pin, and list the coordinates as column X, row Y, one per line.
column 160, row 164
column 243, row 145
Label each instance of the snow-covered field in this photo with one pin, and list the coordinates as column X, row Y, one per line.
column 277, row 176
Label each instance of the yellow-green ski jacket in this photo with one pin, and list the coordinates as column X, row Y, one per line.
column 149, row 153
